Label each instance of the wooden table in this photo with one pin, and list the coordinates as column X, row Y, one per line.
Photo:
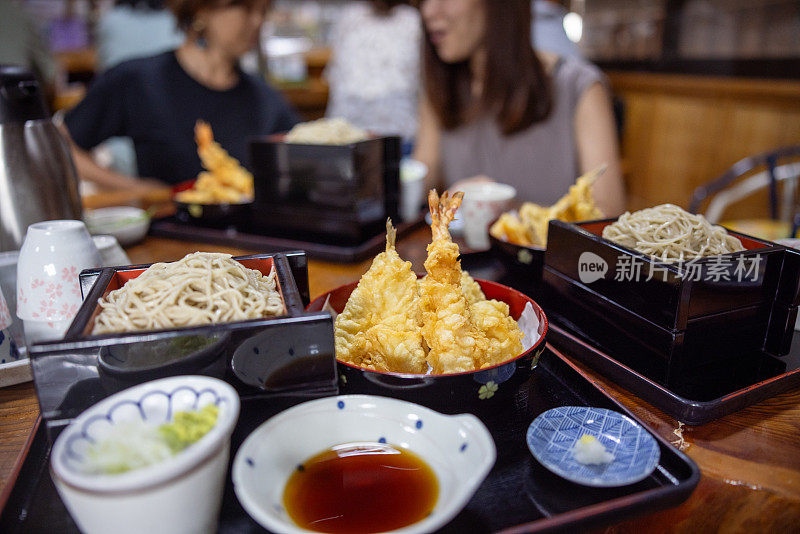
column 750, row 460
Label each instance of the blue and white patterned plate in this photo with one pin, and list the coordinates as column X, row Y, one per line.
column 553, row 434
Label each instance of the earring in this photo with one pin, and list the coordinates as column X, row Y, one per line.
column 199, row 28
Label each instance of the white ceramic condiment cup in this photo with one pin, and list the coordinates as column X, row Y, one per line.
column 412, row 188
column 483, row 202
column 51, row 257
column 110, row 250
column 179, row 495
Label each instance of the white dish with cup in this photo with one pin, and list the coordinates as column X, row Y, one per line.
column 179, row 494
column 458, row 448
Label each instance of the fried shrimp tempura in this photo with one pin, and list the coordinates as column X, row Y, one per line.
column 224, row 180
column 461, row 336
column 472, row 291
column 380, row 326
column 529, row 226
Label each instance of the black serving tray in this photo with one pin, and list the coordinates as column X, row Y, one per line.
column 719, row 388
column 253, row 237
column 519, row 494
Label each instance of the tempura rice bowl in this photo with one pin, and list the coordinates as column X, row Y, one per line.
column 523, row 262
column 450, row 393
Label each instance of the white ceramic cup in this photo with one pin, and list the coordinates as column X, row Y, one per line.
column 110, row 250
column 50, row 260
column 179, row 495
column 412, row 188
column 483, row 202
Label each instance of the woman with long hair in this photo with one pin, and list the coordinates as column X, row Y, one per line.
column 494, row 108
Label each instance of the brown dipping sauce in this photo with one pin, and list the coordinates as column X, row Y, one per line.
column 361, row 487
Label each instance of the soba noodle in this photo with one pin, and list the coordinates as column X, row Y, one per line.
column 201, row 288
column 333, row 131
column 671, row 234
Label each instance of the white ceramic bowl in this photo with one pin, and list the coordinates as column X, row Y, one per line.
column 127, row 223
column 412, row 170
column 181, row 494
column 458, row 448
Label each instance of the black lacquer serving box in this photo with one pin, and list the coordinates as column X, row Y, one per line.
column 721, row 387
column 672, row 320
column 342, row 191
column 293, row 352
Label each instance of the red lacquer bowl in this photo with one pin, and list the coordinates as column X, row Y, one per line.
column 451, row 393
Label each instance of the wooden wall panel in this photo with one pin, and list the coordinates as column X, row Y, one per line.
column 682, row 131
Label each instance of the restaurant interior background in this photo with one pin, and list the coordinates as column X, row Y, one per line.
column 686, row 75
column 698, row 85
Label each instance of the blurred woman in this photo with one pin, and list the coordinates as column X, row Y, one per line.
column 157, row 100
column 135, row 28
column 127, row 30
column 493, row 108
column 375, row 65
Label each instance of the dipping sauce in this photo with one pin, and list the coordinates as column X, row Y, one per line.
column 361, row 487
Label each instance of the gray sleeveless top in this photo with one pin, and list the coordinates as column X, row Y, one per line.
column 541, row 161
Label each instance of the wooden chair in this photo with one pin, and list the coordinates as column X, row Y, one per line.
column 781, row 165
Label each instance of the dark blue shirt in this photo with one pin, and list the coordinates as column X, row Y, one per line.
column 156, row 103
